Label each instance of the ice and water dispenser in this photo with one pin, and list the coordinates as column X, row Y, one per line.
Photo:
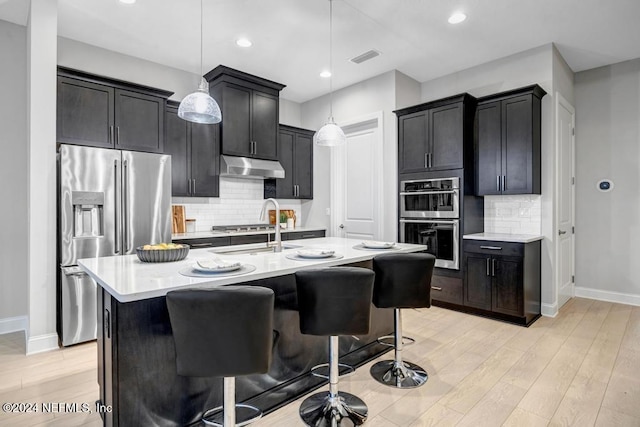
column 88, row 220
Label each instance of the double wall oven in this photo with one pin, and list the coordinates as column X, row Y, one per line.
column 430, row 215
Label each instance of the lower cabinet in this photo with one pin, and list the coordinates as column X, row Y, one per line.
column 502, row 279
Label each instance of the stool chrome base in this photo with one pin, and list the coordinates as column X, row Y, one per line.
column 245, row 414
column 399, row 375
column 349, row 410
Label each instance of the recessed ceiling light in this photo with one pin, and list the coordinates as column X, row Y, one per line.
column 457, row 18
column 244, row 42
column 325, row 74
column 128, row 1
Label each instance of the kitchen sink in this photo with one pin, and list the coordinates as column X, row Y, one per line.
column 252, row 251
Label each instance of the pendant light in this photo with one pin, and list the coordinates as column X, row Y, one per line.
column 330, row 134
column 199, row 106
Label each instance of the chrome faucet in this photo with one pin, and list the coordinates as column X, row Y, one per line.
column 278, row 246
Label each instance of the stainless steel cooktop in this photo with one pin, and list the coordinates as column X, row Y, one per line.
column 242, row 228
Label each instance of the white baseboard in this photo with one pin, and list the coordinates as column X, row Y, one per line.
column 13, row 324
column 41, row 343
column 549, row 310
column 610, row 296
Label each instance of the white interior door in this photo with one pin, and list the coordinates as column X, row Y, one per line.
column 565, row 247
column 357, row 180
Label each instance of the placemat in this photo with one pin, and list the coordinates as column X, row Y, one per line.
column 297, row 257
column 362, row 247
column 191, row 272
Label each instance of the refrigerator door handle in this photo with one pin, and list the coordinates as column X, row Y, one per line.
column 116, row 223
column 125, row 205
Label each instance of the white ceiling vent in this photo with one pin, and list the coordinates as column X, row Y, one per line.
column 370, row 54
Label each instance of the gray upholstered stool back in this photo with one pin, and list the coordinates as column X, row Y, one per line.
column 225, row 331
column 334, row 300
column 403, row 280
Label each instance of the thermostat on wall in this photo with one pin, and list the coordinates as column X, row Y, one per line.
column 605, row 185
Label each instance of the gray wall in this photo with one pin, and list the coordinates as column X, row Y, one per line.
column 608, row 146
column 13, row 172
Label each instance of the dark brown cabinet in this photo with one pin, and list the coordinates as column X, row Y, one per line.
column 295, row 153
column 507, row 154
column 102, row 112
column 194, row 151
column 436, row 135
column 503, row 279
column 250, row 112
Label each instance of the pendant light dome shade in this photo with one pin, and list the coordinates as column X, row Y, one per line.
column 329, row 135
column 199, row 107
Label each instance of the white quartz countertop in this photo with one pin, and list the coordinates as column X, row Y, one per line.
column 127, row 279
column 504, row 237
column 207, row 234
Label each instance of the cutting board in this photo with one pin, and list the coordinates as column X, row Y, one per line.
column 178, row 225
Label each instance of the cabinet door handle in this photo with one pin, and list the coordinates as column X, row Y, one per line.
column 492, row 248
column 493, row 267
column 488, row 268
column 426, row 160
column 111, row 141
column 498, row 183
column 194, row 186
column 430, row 160
column 561, row 232
column 117, row 135
column 436, row 288
column 504, row 182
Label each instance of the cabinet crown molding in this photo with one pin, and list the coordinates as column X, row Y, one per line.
column 120, row 84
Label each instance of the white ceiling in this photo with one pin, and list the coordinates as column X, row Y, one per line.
column 291, row 37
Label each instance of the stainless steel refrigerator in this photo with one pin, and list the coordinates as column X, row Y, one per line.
column 109, row 202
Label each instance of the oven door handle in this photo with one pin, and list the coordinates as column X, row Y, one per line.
column 429, row 221
column 426, row 193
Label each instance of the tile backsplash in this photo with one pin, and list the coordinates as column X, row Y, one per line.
column 240, row 202
column 513, row 214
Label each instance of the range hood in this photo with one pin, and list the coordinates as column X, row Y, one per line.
column 246, row 167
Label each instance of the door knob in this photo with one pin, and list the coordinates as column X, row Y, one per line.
column 341, row 226
column 561, row 232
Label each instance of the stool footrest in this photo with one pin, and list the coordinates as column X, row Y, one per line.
column 348, row 370
column 405, row 340
column 245, row 414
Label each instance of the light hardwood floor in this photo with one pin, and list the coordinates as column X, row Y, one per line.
column 581, row 368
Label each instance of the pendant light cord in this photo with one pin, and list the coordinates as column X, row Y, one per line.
column 201, row 43
column 331, row 58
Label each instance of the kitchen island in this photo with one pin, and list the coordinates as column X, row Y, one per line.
column 136, row 355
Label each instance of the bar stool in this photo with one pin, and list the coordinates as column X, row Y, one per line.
column 402, row 281
column 213, row 339
column 334, row 301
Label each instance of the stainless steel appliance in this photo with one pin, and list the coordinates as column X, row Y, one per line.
column 109, row 202
column 440, row 235
column 430, row 215
column 243, row 228
column 430, row 198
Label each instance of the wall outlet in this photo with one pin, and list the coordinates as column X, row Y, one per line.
column 327, row 211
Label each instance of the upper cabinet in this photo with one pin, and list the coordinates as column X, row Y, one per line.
column 295, row 149
column 507, row 152
column 250, row 112
column 436, row 135
column 108, row 113
column 194, row 151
